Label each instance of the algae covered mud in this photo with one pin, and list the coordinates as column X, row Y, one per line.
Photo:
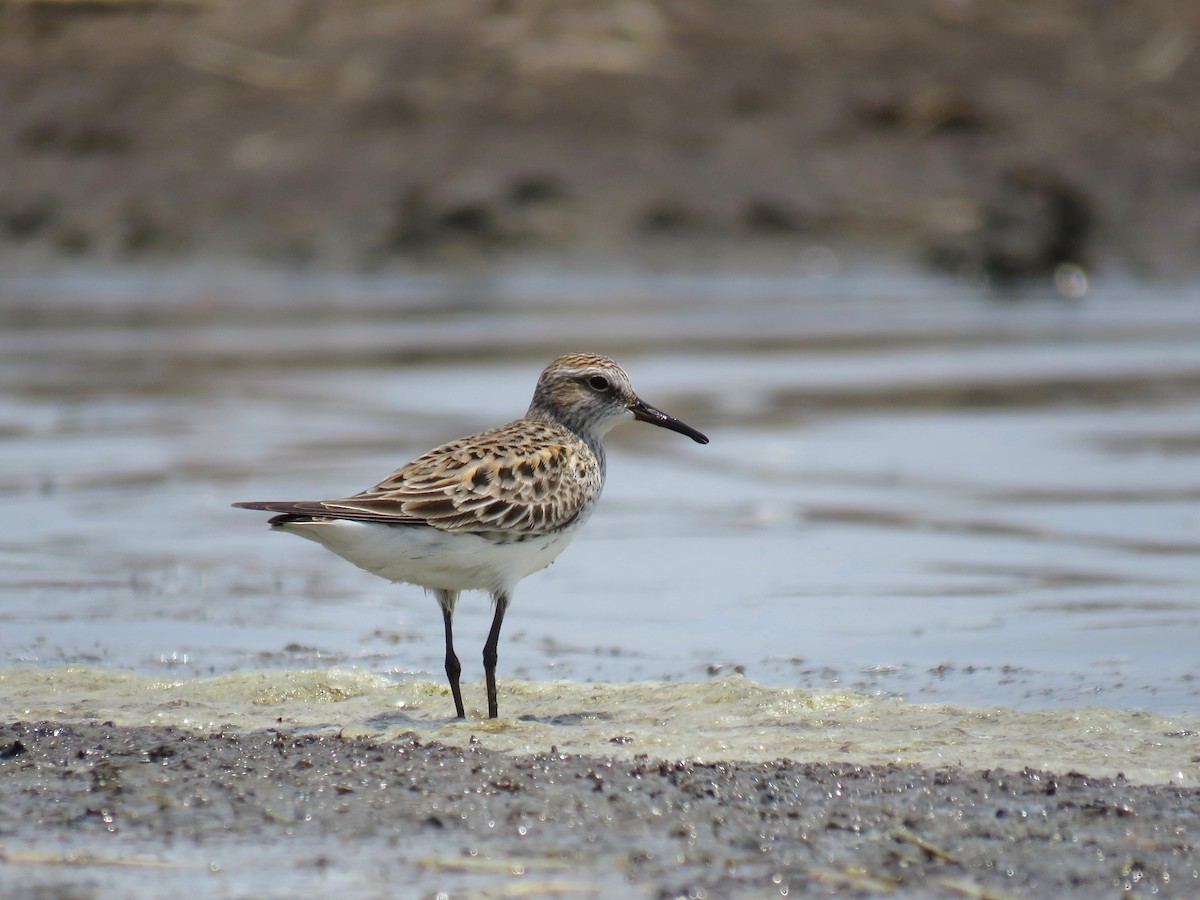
column 276, row 783
column 942, row 552
column 727, row 718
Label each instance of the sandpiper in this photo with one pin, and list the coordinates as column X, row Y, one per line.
column 483, row 512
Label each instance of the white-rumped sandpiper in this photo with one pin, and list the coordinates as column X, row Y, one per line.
column 483, row 512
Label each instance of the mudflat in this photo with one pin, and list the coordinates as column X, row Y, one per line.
column 97, row 809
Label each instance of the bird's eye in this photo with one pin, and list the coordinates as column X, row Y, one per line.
column 598, row 383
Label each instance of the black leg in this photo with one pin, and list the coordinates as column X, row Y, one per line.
column 490, row 655
column 453, row 668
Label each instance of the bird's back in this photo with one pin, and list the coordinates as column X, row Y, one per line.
column 520, row 480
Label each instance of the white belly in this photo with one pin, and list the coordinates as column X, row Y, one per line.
column 433, row 559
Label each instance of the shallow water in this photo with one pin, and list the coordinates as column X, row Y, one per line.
column 914, row 489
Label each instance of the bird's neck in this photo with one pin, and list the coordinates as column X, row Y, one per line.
column 584, row 431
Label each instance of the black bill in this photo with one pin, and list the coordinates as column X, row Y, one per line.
column 644, row 412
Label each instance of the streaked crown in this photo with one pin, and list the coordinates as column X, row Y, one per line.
column 586, row 392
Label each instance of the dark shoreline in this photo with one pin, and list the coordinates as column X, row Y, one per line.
column 440, row 818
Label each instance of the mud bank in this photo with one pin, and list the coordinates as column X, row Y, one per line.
column 96, row 809
column 969, row 136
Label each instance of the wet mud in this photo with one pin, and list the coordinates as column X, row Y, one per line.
column 90, row 807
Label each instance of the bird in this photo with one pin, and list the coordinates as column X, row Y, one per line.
column 485, row 511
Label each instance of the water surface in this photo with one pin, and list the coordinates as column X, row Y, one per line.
column 915, row 489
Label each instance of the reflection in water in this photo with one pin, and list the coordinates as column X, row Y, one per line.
column 912, row 489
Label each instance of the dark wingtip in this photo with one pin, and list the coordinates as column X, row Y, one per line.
column 269, row 506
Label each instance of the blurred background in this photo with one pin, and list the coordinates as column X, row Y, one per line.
column 925, row 272
column 970, row 136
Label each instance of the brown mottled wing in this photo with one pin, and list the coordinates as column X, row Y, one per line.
column 522, row 478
